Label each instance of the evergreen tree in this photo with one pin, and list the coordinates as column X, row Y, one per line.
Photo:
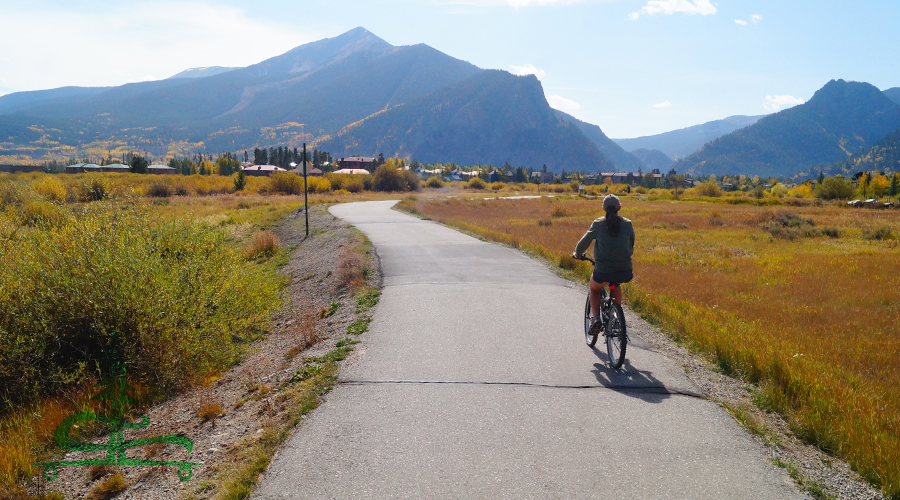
column 820, row 178
column 240, row 181
column 894, row 189
column 138, row 165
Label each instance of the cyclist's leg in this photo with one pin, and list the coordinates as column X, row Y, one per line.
column 616, row 294
column 595, row 296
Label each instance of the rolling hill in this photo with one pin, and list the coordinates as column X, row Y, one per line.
column 682, row 142
column 841, row 119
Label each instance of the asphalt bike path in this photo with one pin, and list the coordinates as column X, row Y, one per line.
column 474, row 381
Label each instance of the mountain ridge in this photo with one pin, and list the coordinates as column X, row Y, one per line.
column 842, row 118
column 482, row 115
column 682, row 142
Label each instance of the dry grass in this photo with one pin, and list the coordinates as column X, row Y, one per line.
column 304, row 332
column 98, row 471
column 265, row 244
column 352, row 270
column 110, row 487
column 813, row 319
column 210, row 412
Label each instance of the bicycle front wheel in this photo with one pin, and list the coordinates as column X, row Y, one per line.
column 616, row 336
column 590, row 335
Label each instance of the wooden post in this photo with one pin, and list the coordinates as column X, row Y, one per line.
column 305, row 190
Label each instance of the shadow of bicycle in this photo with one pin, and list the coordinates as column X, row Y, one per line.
column 629, row 380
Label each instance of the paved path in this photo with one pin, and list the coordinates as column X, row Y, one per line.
column 474, row 382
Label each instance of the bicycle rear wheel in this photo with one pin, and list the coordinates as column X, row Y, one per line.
column 616, row 336
column 590, row 336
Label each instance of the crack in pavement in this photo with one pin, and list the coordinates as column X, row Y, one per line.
column 649, row 389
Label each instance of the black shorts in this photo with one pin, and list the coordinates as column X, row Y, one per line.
column 613, row 277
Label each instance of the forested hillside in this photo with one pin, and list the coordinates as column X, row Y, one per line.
column 841, row 119
column 884, row 156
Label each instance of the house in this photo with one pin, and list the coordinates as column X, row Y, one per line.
column 120, row 168
column 351, row 171
column 299, row 170
column 542, row 177
column 357, row 162
column 262, row 170
column 75, row 168
column 12, row 169
column 160, row 170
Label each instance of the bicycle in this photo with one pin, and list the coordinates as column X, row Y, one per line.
column 612, row 324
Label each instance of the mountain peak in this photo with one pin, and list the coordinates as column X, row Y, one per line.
column 314, row 55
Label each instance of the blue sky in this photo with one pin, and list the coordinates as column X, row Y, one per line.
column 633, row 67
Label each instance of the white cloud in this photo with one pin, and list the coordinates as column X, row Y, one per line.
column 756, row 18
column 134, row 42
column 664, row 104
column 779, row 102
column 634, row 16
column 669, row 7
column 563, row 104
column 527, row 69
column 742, row 23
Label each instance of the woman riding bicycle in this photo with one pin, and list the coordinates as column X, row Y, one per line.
column 613, row 238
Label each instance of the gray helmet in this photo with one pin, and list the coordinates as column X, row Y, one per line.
column 611, row 201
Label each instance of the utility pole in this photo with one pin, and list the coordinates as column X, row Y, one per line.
column 305, row 190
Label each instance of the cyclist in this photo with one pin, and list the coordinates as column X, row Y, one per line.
column 613, row 238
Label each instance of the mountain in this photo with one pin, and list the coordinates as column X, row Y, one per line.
column 654, row 159
column 841, row 119
column 623, row 161
column 12, row 103
column 884, row 156
column 201, row 72
column 893, row 94
column 492, row 117
column 354, row 93
column 682, row 142
column 312, row 90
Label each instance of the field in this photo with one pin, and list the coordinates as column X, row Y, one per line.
column 802, row 301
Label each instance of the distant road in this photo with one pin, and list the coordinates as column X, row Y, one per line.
column 474, row 382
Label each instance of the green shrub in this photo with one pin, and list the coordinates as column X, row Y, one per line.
column 881, row 233
column 476, row 183
column 434, row 182
column 285, row 183
column 834, row 188
column 158, row 190
column 387, row 177
column 176, row 296
column 710, row 189
column 93, row 187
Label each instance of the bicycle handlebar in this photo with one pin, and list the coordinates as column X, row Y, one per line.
column 584, row 257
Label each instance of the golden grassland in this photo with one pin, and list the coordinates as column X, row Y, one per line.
column 805, row 304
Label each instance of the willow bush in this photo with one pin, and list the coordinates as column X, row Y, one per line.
column 175, row 296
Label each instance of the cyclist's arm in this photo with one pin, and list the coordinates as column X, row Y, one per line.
column 585, row 241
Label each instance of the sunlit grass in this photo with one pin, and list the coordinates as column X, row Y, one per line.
column 814, row 320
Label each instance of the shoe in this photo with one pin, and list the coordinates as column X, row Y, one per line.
column 597, row 324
